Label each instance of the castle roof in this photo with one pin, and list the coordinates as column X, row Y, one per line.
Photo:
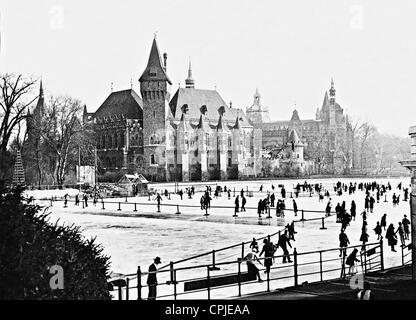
column 195, row 98
column 155, row 70
column 126, row 102
column 295, row 116
column 294, row 137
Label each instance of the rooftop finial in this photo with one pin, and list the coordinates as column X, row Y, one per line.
column 190, row 82
column 155, row 34
column 112, row 84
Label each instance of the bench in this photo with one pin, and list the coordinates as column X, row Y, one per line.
column 219, row 281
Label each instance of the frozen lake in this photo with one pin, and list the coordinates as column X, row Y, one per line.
column 133, row 239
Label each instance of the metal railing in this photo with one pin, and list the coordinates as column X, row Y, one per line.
column 313, row 266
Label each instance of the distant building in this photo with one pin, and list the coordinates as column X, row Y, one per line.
column 327, row 139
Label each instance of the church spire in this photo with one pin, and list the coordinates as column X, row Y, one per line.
column 190, row 82
column 332, row 90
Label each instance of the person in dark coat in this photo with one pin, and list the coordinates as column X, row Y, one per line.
column 283, row 242
column 406, row 227
column 295, row 207
column 378, row 230
column 391, row 237
column 351, row 260
column 383, row 222
column 328, row 209
column 260, row 208
column 268, row 250
column 353, row 210
column 243, row 203
column 152, row 279
column 237, row 204
column 372, row 203
column 76, row 199
column 343, row 243
column 272, row 200
column 400, row 231
column 367, row 203
column 363, row 239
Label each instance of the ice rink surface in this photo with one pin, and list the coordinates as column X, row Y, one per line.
column 133, row 239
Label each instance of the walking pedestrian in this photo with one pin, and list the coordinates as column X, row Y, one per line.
column 343, row 243
column 391, row 237
column 295, row 207
column 378, row 230
column 353, row 209
column 400, row 231
column 383, row 222
column 268, row 250
column 406, row 227
column 351, row 260
column 243, row 203
column 237, row 203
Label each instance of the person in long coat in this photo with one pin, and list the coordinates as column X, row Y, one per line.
column 152, row 279
column 353, row 210
column 378, row 230
column 295, row 207
column 391, row 237
column 351, row 260
column 343, row 243
column 363, row 239
column 383, row 222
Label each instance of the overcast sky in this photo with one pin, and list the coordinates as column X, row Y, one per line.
column 288, row 49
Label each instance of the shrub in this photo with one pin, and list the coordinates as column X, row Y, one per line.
column 30, row 245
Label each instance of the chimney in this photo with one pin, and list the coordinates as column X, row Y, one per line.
column 165, row 58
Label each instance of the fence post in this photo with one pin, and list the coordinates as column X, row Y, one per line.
column 174, row 284
column 120, row 293
column 127, row 288
column 126, row 197
column 206, row 211
column 381, row 255
column 51, row 203
column 323, row 224
column 303, row 216
column 169, row 195
column 239, row 278
column 119, row 207
column 268, row 277
column 242, row 250
column 177, row 209
column 83, row 204
column 102, row 202
column 139, row 283
column 385, row 197
column 213, row 259
column 149, row 197
column 320, row 265
column 402, row 248
column 135, row 207
column 208, row 284
column 295, row 265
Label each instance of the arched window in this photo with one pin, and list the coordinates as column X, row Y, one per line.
column 152, row 159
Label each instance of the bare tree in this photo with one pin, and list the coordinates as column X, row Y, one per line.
column 15, row 98
column 64, row 135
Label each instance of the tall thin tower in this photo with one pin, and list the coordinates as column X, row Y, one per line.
column 18, row 173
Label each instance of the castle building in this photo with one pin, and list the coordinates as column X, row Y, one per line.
column 327, row 139
column 193, row 135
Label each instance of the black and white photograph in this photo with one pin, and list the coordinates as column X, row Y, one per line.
column 203, row 156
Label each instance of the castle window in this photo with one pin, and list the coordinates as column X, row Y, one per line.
column 229, row 162
column 154, row 114
column 153, row 71
column 152, row 159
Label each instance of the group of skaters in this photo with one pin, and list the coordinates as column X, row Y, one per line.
column 85, row 197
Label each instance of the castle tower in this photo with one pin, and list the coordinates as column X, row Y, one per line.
column 154, row 88
column 203, row 130
column 297, row 149
column 184, row 137
column 238, row 147
column 332, row 120
column 222, row 144
column 257, row 113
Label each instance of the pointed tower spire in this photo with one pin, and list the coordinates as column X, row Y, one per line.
column 155, row 69
column 190, row 82
column 332, row 90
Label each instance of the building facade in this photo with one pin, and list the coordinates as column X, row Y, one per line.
column 327, row 139
column 192, row 135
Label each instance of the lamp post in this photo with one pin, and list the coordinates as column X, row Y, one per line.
column 411, row 165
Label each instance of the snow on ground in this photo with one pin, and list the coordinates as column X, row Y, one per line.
column 134, row 238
